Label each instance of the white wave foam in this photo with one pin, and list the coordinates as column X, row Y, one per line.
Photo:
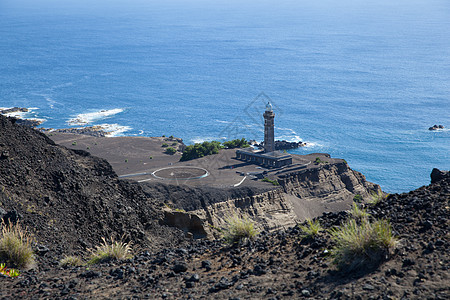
column 50, row 101
column 114, row 129
column 292, row 131
column 87, row 118
column 289, row 138
column 200, row 140
column 313, row 145
column 223, row 122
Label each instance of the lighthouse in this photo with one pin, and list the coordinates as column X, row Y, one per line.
column 269, row 132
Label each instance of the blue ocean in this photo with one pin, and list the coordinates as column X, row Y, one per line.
column 359, row 79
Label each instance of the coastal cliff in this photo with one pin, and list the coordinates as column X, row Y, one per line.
column 303, row 194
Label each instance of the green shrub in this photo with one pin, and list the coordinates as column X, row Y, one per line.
column 151, row 157
column 118, row 250
column 239, row 230
column 319, row 161
column 237, row 143
column 361, row 245
column 74, row 143
column 274, row 182
column 15, row 246
column 71, row 261
column 174, row 144
column 164, row 145
column 311, row 229
column 170, row 151
column 199, row 150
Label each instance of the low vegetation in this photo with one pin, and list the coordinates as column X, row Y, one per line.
column 15, row 246
column 71, row 261
column 208, row 148
column 377, row 197
column 118, row 250
column 170, row 151
column 237, row 143
column 200, row 150
column 359, row 213
column 311, row 229
column 358, row 198
column 274, row 182
column 363, row 244
column 239, row 230
column 8, row 272
column 319, row 161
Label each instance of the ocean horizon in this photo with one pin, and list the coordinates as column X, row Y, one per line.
column 360, row 80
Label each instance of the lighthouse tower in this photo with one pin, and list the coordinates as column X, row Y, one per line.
column 269, row 133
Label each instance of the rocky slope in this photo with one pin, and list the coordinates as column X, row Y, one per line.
column 69, row 199
column 277, row 265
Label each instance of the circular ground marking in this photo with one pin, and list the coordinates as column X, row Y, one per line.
column 185, row 173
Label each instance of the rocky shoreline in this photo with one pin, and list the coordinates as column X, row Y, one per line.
column 30, row 122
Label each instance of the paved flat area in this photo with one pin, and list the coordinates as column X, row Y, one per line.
column 138, row 158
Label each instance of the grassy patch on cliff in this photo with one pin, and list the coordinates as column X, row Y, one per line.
column 239, row 230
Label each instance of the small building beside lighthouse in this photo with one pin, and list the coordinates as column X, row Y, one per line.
column 269, row 157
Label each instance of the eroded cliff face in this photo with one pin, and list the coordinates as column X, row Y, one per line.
column 302, row 194
column 325, row 188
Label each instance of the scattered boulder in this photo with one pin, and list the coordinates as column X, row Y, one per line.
column 437, row 175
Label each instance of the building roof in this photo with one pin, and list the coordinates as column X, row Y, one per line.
column 271, row 155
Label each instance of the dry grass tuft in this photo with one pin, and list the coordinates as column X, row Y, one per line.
column 239, row 230
column 365, row 244
column 311, row 229
column 118, row 250
column 359, row 213
column 71, row 261
column 15, row 246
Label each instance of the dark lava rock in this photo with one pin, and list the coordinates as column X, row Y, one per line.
column 193, row 278
column 437, row 175
column 408, row 262
column 259, row 270
column 179, row 267
column 12, row 217
column 2, row 213
column 41, row 249
column 436, row 127
column 117, row 273
column 91, row 274
column 206, row 264
column 223, row 284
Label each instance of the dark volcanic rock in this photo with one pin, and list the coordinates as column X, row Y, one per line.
column 65, row 196
column 436, row 127
column 437, row 175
